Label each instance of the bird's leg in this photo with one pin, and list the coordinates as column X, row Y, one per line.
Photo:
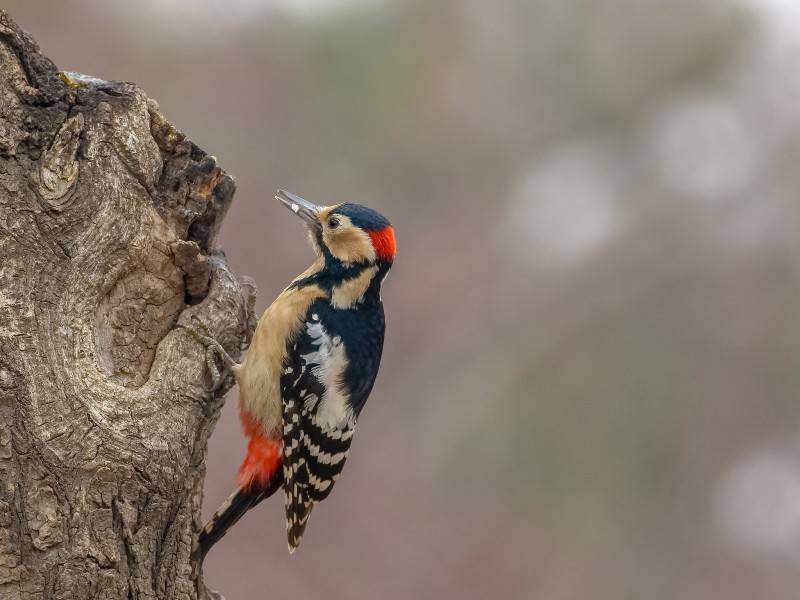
column 213, row 348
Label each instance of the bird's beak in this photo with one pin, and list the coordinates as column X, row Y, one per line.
column 304, row 209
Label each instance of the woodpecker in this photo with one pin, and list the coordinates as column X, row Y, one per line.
column 310, row 367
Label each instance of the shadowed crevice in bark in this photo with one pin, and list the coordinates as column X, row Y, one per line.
column 108, row 225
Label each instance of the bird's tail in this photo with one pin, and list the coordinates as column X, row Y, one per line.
column 242, row 500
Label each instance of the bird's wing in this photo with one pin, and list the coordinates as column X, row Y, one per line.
column 318, row 422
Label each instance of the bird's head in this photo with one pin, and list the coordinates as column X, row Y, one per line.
column 350, row 234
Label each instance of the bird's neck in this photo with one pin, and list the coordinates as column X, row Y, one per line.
column 347, row 285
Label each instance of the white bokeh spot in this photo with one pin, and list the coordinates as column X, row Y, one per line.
column 702, row 148
column 758, row 506
column 564, row 208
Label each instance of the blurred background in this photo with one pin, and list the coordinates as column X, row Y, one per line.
column 592, row 366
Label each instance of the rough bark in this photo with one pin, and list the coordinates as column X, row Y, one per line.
column 108, row 220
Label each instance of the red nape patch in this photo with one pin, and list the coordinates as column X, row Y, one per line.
column 262, row 460
column 384, row 243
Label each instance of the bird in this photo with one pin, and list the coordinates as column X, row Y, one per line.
column 310, row 368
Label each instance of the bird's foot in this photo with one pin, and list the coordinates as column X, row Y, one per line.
column 213, row 349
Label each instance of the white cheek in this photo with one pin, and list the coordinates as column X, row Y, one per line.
column 295, row 207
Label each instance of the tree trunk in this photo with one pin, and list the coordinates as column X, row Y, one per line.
column 108, row 220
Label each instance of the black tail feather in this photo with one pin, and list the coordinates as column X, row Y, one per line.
column 231, row 511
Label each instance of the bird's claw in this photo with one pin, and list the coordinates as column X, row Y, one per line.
column 205, row 339
column 200, row 325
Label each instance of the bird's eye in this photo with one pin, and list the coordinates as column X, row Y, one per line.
column 333, row 222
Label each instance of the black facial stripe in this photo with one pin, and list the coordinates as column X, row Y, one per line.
column 334, row 273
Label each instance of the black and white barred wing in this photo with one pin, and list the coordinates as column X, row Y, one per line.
column 318, row 423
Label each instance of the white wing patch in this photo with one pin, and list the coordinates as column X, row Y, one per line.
column 330, row 362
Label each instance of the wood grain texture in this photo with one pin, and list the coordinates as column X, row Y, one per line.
column 108, row 221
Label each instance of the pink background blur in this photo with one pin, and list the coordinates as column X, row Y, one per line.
column 591, row 383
